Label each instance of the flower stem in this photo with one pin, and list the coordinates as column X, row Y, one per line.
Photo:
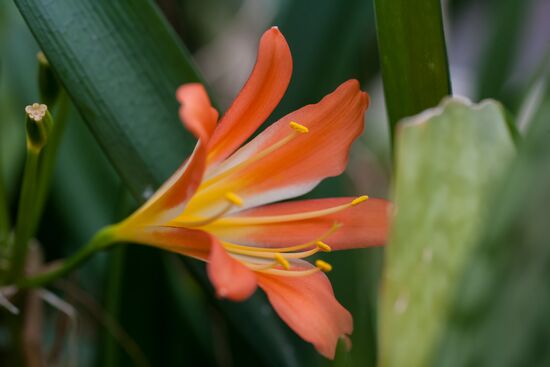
column 47, row 159
column 23, row 228
column 102, row 240
column 4, row 215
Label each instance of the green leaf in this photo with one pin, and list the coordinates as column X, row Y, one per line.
column 448, row 160
column 413, row 56
column 121, row 65
column 500, row 314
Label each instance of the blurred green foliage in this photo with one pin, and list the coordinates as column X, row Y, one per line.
column 121, row 62
column 448, row 161
column 499, row 315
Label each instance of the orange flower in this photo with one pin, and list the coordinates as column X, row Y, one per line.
column 214, row 207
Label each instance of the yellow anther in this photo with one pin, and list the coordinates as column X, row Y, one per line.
column 234, row 198
column 359, row 200
column 323, row 246
column 282, row 261
column 299, row 128
column 323, row 266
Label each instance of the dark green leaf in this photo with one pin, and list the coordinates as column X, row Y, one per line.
column 413, row 56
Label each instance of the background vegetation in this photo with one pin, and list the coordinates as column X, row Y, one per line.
column 473, row 185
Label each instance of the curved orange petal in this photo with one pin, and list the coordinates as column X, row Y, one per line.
column 297, row 166
column 231, row 279
column 257, row 99
column 196, row 111
column 308, row 306
column 199, row 117
column 363, row 225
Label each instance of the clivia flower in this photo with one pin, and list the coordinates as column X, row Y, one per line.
column 217, row 207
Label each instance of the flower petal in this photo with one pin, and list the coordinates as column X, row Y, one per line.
column 362, row 225
column 257, row 99
column 308, row 306
column 230, row 278
column 196, row 111
column 297, row 166
column 199, row 117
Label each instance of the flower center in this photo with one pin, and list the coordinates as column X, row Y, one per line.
column 281, row 260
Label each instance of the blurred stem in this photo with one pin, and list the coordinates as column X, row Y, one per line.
column 47, row 160
column 507, row 19
column 112, row 304
column 4, row 215
column 413, row 56
column 27, row 204
column 114, row 283
column 102, row 240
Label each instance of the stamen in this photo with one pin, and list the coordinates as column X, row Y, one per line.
column 290, row 273
column 282, row 261
column 323, row 246
column 273, row 254
column 323, row 266
column 302, row 246
column 259, row 267
column 359, row 200
column 233, row 200
column 293, row 217
column 298, row 129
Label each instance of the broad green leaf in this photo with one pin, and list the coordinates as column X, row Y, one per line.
column 121, row 65
column 413, row 56
column 500, row 314
column 448, row 160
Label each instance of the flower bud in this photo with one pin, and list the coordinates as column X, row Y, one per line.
column 38, row 125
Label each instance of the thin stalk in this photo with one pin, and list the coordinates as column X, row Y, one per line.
column 112, row 304
column 102, row 240
column 27, row 204
column 4, row 215
column 47, row 161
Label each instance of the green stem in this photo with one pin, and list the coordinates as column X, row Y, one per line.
column 47, row 160
column 102, row 240
column 112, row 304
column 23, row 227
column 4, row 215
